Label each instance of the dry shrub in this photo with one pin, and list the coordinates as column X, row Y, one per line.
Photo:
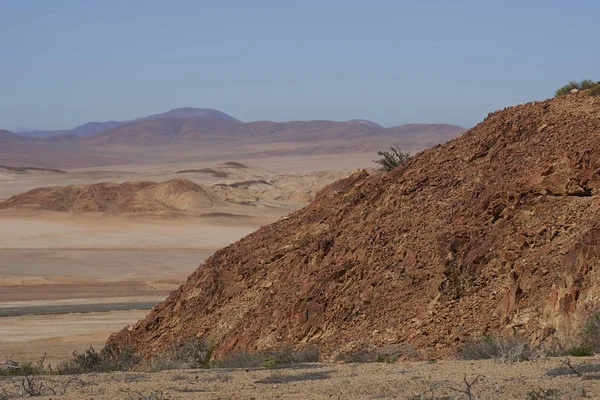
column 497, row 348
column 192, row 353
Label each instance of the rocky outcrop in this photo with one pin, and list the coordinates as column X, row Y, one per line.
column 496, row 231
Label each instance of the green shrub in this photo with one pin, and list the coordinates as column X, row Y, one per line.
column 595, row 91
column 391, row 159
column 581, row 350
column 22, row 369
column 589, row 338
column 583, row 85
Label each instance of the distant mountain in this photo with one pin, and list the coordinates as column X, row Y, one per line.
column 202, row 130
column 365, row 122
column 164, row 139
column 91, row 128
column 9, row 137
column 162, row 131
column 188, row 112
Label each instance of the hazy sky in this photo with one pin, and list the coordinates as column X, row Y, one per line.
column 68, row 62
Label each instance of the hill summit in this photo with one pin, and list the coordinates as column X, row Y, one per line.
column 496, row 231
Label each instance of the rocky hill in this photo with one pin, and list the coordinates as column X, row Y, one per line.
column 171, row 198
column 496, row 231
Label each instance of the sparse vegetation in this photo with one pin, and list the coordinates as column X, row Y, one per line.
column 106, row 360
column 582, row 85
column 470, row 389
column 567, row 368
column 513, row 349
column 595, row 91
column 274, row 359
column 32, row 384
column 590, row 332
column 391, row 159
column 193, row 352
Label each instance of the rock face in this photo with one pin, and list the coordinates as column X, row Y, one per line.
column 496, row 231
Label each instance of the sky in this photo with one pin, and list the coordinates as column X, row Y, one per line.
column 67, row 62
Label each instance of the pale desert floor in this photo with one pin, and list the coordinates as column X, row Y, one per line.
column 67, row 281
column 411, row 380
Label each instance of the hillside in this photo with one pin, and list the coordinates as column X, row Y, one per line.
column 496, row 231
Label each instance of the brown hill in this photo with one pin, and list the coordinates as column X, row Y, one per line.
column 170, row 198
column 496, row 231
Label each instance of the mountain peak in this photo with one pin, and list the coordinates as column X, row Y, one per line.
column 365, row 122
column 190, row 112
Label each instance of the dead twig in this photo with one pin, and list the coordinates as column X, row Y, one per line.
column 567, row 362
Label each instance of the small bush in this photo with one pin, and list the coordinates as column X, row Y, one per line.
column 583, row 85
column 581, row 350
column 589, row 337
column 500, row 349
column 106, row 360
column 391, row 159
column 20, row 369
column 192, row 353
column 595, row 91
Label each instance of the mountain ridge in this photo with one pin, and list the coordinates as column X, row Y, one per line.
column 90, row 128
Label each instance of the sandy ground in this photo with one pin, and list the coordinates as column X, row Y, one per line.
column 71, row 267
column 28, row 337
column 414, row 380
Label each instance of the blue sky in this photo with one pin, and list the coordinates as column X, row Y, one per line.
column 69, row 62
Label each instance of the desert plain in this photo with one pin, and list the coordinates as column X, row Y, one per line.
column 69, row 279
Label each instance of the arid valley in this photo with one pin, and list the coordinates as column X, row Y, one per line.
column 299, row 200
column 295, row 288
column 70, row 278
